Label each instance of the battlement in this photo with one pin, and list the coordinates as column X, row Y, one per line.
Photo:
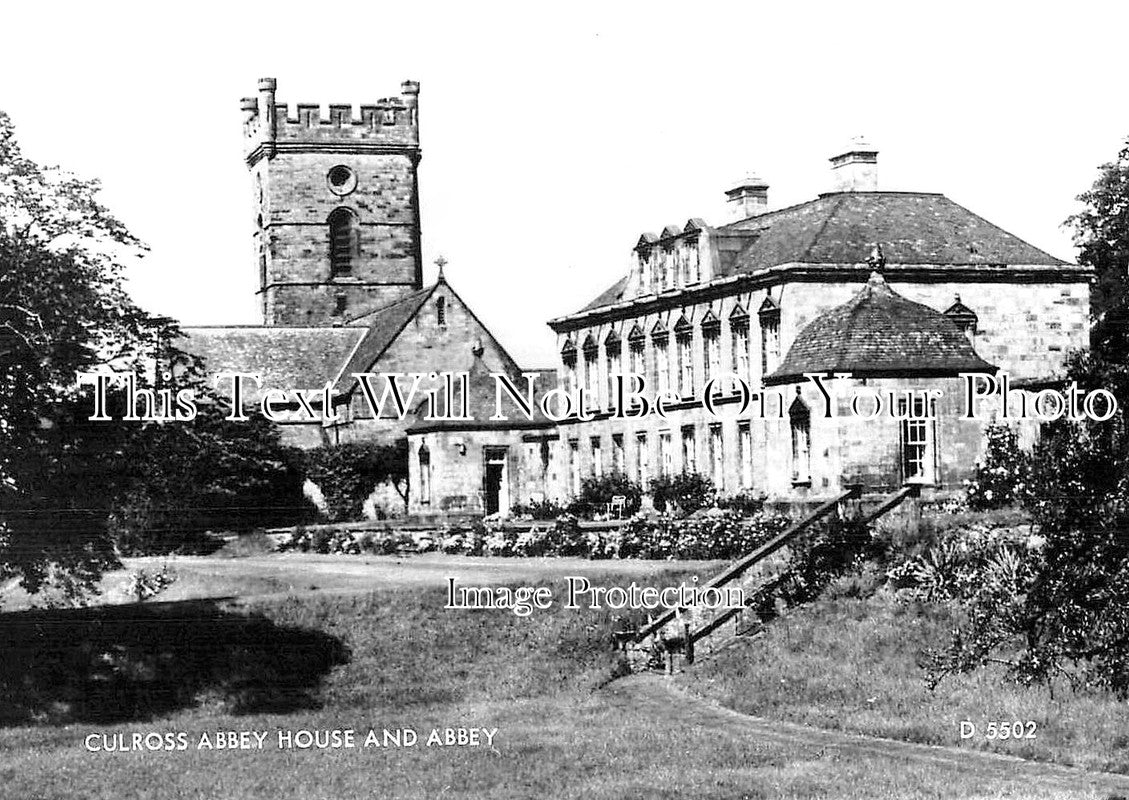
column 392, row 122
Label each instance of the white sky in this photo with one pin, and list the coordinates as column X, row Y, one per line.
column 553, row 137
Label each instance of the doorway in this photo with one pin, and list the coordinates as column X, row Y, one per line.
column 496, row 486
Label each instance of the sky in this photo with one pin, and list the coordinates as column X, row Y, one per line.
column 554, row 134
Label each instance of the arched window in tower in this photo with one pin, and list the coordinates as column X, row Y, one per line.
column 800, row 417
column 424, row 475
column 441, row 312
column 344, row 241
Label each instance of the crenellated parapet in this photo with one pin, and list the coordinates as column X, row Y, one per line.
column 389, row 125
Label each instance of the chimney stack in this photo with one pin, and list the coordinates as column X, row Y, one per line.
column 747, row 198
column 855, row 169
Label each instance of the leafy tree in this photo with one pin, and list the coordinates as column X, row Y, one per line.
column 1059, row 608
column 1101, row 232
column 348, row 473
column 63, row 312
column 69, row 486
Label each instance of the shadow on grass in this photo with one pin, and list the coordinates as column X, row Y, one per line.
column 131, row 662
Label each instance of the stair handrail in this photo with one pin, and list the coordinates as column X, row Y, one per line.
column 909, row 490
column 738, row 567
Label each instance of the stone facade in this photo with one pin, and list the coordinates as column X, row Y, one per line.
column 308, row 172
column 699, row 301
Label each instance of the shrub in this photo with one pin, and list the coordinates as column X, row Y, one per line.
column 1001, row 478
column 347, row 474
column 326, row 540
column 684, row 493
column 747, row 503
column 597, row 492
column 721, row 535
column 144, row 583
column 537, row 509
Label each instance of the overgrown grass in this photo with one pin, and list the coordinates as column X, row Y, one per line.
column 851, row 663
column 410, row 663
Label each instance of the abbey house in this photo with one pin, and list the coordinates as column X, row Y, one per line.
column 902, row 290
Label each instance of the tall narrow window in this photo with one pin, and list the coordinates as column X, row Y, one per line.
column 591, row 373
column 441, row 312
column 689, row 450
column 613, row 354
column 801, row 441
column 739, row 339
column 919, row 450
column 424, row 475
column 717, row 456
column 745, row 445
column 666, row 456
column 711, row 337
column 574, row 466
column 770, row 336
column 568, row 359
column 643, row 459
column 340, row 305
column 635, row 344
column 597, row 458
column 683, row 334
column 344, row 241
column 661, row 340
column 618, row 465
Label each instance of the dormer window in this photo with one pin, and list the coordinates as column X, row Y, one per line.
column 691, row 267
column 963, row 317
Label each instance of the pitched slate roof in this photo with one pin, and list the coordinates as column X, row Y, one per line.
column 384, row 325
column 285, row 358
column 912, row 228
column 879, row 333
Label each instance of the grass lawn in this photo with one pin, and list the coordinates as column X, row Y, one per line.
column 394, row 658
column 849, row 663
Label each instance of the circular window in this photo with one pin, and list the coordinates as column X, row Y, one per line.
column 341, row 180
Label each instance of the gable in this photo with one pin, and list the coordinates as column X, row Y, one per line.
column 413, row 336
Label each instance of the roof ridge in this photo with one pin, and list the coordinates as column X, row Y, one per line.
column 822, row 227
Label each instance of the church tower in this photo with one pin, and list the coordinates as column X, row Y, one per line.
column 336, row 200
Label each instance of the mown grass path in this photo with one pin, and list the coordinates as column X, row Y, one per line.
column 658, row 695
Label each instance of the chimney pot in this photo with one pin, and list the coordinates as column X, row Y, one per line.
column 748, row 197
column 855, row 169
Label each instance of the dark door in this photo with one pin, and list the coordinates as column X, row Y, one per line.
column 493, row 486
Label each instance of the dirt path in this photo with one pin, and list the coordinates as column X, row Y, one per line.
column 661, row 697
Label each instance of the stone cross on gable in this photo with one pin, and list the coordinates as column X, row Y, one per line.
column 440, row 262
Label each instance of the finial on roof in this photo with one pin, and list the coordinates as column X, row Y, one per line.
column 877, row 259
column 440, row 262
